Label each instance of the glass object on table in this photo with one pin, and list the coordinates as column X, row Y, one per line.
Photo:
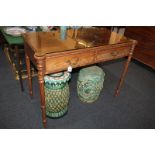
column 75, row 28
column 32, row 28
column 63, row 32
column 46, row 28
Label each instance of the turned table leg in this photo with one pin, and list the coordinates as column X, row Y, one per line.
column 19, row 68
column 125, row 69
column 42, row 96
column 41, row 70
column 29, row 74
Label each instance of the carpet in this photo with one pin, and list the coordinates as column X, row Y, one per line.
column 134, row 108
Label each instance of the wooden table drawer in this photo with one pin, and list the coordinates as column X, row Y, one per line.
column 59, row 63
column 104, row 55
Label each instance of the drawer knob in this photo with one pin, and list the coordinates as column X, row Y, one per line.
column 69, row 69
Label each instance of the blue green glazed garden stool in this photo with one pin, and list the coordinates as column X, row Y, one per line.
column 90, row 83
column 57, row 94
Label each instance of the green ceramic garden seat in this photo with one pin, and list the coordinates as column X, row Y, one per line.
column 57, row 94
column 90, row 83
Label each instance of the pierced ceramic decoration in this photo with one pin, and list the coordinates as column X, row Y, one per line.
column 57, row 94
column 90, row 83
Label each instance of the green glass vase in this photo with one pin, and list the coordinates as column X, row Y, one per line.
column 57, row 94
column 90, row 83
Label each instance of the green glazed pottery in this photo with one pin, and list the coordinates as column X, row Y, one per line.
column 90, row 83
column 57, row 94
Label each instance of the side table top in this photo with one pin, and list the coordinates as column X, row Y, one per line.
column 50, row 42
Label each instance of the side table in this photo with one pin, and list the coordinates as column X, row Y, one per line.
column 50, row 54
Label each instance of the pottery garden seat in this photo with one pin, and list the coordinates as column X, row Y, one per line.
column 57, row 94
column 90, row 83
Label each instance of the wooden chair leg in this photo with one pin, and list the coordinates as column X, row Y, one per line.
column 19, row 68
column 29, row 74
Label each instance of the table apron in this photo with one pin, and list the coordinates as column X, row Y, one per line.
column 112, row 54
column 79, row 58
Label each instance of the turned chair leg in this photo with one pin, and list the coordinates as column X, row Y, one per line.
column 19, row 68
column 29, row 74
